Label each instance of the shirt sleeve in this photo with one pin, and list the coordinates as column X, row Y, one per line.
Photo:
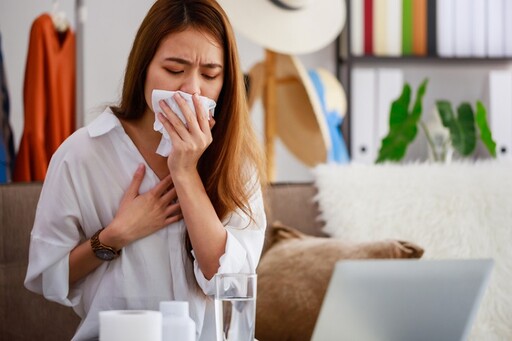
column 55, row 233
column 245, row 237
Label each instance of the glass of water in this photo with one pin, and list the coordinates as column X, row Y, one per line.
column 235, row 306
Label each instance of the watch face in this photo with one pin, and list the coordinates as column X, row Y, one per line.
column 105, row 254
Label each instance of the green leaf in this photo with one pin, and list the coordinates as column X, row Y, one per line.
column 462, row 127
column 485, row 131
column 402, row 124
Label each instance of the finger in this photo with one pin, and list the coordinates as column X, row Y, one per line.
column 162, row 186
column 173, row 219
column 190, row 118
column 201, row 116
column 173, row 120
column 173, row 210
column 211, row 122
column 173, row 134
column 138, row 176
column 170, row 195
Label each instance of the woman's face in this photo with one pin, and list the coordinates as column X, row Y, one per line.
column 190, row 61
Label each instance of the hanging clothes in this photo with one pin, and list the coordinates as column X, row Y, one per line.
column 48, row 98
column 6, row 137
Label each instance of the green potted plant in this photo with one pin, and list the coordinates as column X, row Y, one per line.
column 464, row 128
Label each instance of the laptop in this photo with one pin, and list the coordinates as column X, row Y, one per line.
column 402, row 300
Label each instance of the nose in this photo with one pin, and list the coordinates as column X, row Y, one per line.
column 191, row 84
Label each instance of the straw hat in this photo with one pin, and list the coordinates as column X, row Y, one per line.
column 301, row 123
column 287, row 26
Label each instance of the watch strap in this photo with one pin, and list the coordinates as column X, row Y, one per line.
column 97, row 245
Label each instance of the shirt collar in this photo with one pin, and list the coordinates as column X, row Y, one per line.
column 104, row 123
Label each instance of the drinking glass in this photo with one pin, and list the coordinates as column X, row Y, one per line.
column 235, row 306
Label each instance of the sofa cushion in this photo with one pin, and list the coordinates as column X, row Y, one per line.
column 294, row 273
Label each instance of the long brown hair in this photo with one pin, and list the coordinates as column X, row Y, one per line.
column 228, row 165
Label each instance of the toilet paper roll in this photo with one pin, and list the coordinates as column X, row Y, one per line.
column 130, row 325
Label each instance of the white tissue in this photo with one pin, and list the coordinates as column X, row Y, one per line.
column 130, row 325
column 165, row 146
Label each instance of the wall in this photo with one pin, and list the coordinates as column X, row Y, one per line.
column 108, row 34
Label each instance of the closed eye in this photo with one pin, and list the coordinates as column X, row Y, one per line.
column 174, row 72
column 208, row 77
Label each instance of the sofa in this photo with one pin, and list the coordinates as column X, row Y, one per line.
column 462, row 210
column 26, row 316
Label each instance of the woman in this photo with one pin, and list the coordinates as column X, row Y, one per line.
column 121, row 227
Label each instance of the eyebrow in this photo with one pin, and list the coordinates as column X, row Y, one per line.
column 187, row 62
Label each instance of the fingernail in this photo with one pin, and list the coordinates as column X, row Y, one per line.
column 141, row 167
column 163, row 103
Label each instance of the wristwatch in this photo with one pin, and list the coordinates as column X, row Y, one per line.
column 103, row 252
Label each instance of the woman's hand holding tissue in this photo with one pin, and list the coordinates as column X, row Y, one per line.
column 189, row 139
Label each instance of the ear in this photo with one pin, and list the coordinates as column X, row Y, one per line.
column 281, row 232
column 410, row 250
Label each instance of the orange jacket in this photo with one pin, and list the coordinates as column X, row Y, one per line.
column 48, row 98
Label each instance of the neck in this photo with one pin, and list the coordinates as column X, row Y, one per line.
column 141, row 131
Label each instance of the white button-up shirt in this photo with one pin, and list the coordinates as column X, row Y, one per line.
column 86, row 180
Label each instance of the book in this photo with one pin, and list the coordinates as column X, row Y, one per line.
column 407, row 27
column 357, row 27
column 507, row 12
column 495, row 28
column 478, row 32
column 394, row 27
column 368, row 27
column 380, row 27
column 445, row 10
column 431, row 27
column 463, row 27
column 419, row 27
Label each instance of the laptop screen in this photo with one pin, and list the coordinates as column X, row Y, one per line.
column 402, row 300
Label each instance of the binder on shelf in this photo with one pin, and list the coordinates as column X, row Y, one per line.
column 357, row 27
column 495, row 28
column 362, row 116
column 389, row 88
column 463, row 23
column 500, row 111
column 368, row 27
column 445, row 28
column 479, row 24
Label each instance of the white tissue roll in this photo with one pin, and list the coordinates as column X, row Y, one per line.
column 130, row 325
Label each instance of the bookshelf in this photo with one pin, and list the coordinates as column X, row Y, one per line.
column 458, row 67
